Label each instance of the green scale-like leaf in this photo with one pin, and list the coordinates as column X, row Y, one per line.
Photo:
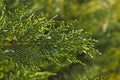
column 35, row 45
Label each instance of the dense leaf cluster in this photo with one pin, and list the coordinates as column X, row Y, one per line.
column 34, row 47
column 100, row 17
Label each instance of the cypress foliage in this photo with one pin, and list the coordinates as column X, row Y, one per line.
column 33, row 47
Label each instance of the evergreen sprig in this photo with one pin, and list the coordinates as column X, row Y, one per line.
column 35, row 47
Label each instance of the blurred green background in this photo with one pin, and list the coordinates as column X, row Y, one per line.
column 100, row 17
